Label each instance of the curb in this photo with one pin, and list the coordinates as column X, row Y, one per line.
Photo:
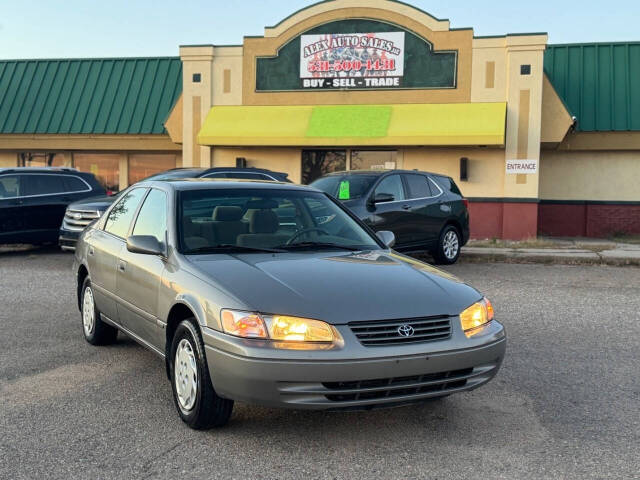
column 545, row 259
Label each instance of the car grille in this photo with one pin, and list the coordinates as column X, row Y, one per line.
column 388, row 332
column 77, row 220
column 398, row 386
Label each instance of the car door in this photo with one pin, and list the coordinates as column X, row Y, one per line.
column 391, row 215
column 45, row 202
column 12, row 220
column 139, row 276
column 424, row 209
column 104, row 248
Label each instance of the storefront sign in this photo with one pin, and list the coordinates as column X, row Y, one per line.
column 522, row 166
column 352, row 60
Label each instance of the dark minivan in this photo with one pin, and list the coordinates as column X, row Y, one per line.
column 425, row 211
column 33, row 201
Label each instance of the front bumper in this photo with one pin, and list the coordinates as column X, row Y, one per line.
column 312, row 381
column 68, row 239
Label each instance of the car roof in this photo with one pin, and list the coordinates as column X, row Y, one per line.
column 39, row 170
column 377, row 172
column 224, row 184
column 242, row 169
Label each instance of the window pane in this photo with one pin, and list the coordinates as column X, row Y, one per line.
column 43, row 184
column 28, row 159
column 316, row 163
column 122, row 214
column 418, row 186
column 74, row 184
column 152, row 219
column 373, row 159
column 9, row 186
column 106, row 168
column 143, row 166
column 391, row 185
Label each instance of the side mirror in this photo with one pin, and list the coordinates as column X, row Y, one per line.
column 382, row 198
column 144, row 245
column 387, row 237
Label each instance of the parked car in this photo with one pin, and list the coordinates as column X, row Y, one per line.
column 81, row 214
column 33, row 201
column 425, row 211
column 248, row 295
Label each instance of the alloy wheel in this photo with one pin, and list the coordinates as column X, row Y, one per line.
column 450, row 245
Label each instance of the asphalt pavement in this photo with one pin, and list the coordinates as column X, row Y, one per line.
column 566, row 403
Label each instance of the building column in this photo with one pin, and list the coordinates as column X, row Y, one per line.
column 197, row 95
column 123, row 170
column 524, row 110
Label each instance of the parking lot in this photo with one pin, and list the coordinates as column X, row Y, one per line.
column 565, row 404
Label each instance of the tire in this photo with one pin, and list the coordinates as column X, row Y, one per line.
column 196, row 401
column 448, row 249
column 96, row 332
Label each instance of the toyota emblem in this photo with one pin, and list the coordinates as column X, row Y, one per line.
column 406, row 331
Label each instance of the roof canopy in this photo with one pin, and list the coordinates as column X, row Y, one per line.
column 351, row 125
column 88, row 96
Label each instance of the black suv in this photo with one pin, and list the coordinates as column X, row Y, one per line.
column 81, row 214
column 33, row 201
column 425, row 211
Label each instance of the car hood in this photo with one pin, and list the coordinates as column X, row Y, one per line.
column 337, row 287
column 94, row 203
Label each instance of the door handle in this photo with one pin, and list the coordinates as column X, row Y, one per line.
column 406, row 207
column 122, row 265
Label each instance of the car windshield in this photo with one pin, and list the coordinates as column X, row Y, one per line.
column 345, row 187
column 255, row 220
column 175, row 174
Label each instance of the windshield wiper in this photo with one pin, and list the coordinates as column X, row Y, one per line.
column 228, row 248
column 311, row 245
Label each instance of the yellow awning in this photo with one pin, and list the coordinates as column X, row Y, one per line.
column 361, row 125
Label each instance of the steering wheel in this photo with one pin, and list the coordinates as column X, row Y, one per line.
column 304, row 231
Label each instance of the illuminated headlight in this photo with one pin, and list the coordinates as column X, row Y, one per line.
column 476, row 316
column 281, row 328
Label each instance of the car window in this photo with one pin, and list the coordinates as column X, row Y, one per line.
column 443, row 184
column 122, row 214
column 152, row 219
column 391, row 185
column 345, row 187
column 272, row 219
column 74, row 184
column 9, row 186
column 418, row 186
column 42, row 184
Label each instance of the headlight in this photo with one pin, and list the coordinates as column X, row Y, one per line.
column 477, row 315
column 298, row 329
column 276, row 327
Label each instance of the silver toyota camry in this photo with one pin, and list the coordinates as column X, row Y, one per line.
column 275, row 294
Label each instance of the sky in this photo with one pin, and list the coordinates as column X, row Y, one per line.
column 114, row 28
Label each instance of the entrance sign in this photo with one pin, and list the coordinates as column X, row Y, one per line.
column 352, row 60
column 522, row 166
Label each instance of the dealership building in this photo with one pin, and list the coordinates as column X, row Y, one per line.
column 541, row 138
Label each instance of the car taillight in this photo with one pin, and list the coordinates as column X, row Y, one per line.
column 466, row 203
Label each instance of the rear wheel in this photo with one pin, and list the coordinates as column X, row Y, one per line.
column 96, row 332
column 196, row 401
column 448, row 249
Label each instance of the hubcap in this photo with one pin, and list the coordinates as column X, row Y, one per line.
column 450, row 245
column 186, row 375
column 88, row 312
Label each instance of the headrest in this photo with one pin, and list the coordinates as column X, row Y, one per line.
column 263, row 221
column 227, row 213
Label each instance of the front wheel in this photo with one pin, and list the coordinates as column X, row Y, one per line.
column 448, row 249
column 196, row 401
column 96, row 332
